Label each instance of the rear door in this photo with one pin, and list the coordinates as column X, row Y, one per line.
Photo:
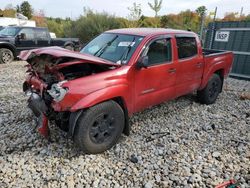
column 42, row 37
column 190, row 65
column 155, row 83
column 28, row 42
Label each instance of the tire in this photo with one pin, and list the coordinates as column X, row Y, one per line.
column 99, row 127
column 69, row 47
column 6, row 55
column 210, row 93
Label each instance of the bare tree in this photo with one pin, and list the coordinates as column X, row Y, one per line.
column 156, row 6
column 135, row 11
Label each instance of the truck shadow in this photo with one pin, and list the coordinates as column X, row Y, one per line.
column 25, row 138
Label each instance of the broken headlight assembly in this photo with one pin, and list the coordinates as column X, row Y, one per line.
column 57, row 92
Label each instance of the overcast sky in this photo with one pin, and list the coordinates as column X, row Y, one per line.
column 73, row 8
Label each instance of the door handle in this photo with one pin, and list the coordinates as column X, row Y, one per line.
column 172, row 70
column 199, row 65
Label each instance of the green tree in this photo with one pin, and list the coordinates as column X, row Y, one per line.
column 18, row 8
column 184, row 20
column 231, row 16
column 9, row 11
column 91, row 24
column 247, row 18
column 39, row 18
column 201, row 11
column 26, row 9
column 61, row 27
column 156, row 6
column 149, row 22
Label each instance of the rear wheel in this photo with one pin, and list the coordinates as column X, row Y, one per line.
column 99, row 128
column 210, row 93
column 6, row 55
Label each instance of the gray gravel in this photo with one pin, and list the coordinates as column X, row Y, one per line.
column 180, row 143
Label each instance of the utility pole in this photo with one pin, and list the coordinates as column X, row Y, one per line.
column 213, row 28
column 241, row 12
column 203, row 16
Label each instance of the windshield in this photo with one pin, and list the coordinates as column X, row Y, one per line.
column 117, row 48
column 9, row 31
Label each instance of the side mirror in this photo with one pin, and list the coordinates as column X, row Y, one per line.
column 142, row 62
column 21, row 36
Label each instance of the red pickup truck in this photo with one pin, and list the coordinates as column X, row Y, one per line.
column 92, row 93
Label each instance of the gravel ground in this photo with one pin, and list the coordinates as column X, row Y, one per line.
column 180, row 143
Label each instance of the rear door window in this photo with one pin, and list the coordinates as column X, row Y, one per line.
column 187, row 47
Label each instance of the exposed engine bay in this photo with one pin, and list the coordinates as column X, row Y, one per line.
column 45, row 75
column 52, row 70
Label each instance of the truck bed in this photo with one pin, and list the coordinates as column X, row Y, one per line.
column 216, row 60
column 209, row 52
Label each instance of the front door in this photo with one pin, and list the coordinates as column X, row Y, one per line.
column 27, row 41
column 155, row 83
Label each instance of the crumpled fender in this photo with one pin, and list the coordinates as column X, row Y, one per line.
column 101, row 95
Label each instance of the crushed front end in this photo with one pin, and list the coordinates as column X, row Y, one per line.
column 54, row 83
column 41, row 94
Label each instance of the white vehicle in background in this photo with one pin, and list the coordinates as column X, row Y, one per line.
column 52, row 35
column 20, row 20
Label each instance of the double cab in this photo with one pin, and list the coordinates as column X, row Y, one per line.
column 92, row 93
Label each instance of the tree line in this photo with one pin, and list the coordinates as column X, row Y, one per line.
column 91, row 23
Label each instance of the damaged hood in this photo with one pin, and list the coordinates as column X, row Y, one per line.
column 58, row 52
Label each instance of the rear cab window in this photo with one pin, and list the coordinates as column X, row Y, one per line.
column 187, row 47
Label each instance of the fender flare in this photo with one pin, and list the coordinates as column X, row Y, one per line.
column 213, row 70
column 69, row 43
column 9, row 46
column 101, row 95
column 78, row 109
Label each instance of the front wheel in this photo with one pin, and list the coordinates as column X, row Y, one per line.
column 6, row 55
column 210, row 93
column 99, row 127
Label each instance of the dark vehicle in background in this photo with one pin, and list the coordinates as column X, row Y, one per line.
column 14, row 39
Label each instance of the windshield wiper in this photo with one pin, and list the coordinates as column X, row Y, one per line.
column 126, row 52
column 102, row 49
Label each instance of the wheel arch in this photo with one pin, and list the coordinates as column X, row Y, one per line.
column 119, row 100
column 220, row 73
column 69, row 43
column 10, row 47
column 123, row 105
